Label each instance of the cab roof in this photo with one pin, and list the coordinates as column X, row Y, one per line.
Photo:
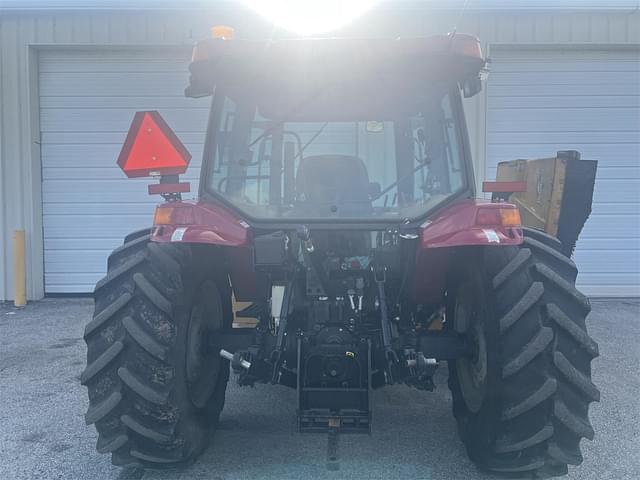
column 286, row 71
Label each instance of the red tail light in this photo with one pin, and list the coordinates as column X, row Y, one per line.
column 152, row 148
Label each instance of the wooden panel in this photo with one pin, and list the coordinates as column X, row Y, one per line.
column 539, row 203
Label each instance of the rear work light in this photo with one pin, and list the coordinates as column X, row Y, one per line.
column 223, row 32
column 218, row 32
column 507, row 217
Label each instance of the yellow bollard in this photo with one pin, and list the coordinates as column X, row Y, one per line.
column 19, row 276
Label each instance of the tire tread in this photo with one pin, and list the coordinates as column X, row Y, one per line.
column 132, row 398
column 101, row 362
column 546, row 386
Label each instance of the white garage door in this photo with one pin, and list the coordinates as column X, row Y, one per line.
column 566, row 99
column 87, row 100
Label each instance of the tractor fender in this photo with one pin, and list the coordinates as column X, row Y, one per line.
column 198, row 222
column 469, row 223
column 210, row 224
column 459, row 225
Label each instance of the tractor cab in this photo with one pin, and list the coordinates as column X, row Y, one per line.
column 327, row 130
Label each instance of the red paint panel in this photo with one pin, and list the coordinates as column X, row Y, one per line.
column 202, row 223
column 456, row 226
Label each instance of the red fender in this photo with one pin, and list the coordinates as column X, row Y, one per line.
column 471, row 222
column 200, row 222
column 463, row 224
column 211, row 224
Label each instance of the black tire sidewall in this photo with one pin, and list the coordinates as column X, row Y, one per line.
column 478, row 430
column 195, row 424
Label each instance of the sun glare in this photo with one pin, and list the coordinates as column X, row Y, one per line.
column 309, row 17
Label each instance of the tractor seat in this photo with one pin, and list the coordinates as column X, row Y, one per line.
column 327, row 182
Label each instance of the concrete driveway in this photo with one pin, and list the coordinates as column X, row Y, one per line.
column 43, row 435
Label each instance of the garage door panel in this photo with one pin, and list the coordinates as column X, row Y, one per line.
column 567, row 119
column 101, row 244
column 543, row 90
column 610, row 285
column 92, row 226
column 97, row 208
column 97, row 196
column 98, row 191
column 63, row 139
column 584, row 68
column 626, row 156
column 112, row 119
column 610, row 225
column 139, row 103
column 88, row 100
column 617, row 189
column 615, row 207
column 58, row 154
column 619, row 261
column 105, row 190
column 77, row 62
column 76, row 283
column 566, row 78
column 92, row 156
column 591, row 103
column 83, row 172
column 79, row 156
column 600, row 138
column 110, row 84
column 75, row 261
column 627, row 282
column 587, row 101
column 604, row 244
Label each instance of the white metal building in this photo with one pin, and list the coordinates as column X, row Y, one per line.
column 565, row 75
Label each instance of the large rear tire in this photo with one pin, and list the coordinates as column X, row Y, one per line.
column 521, row 401
column 155, row 392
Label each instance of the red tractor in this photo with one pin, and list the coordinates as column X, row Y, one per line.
column 337, row 203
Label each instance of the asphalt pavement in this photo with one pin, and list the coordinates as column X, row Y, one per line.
column 43, row 434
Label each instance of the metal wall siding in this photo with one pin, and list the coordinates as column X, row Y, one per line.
column 19, row 165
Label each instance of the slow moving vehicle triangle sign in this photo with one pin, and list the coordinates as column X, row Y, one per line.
column 152, row 148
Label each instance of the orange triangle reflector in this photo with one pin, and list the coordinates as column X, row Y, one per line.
column 152, row 148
